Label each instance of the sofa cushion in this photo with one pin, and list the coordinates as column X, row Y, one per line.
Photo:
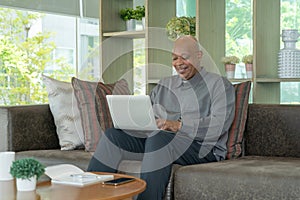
column 93, row 107
column 243, row 178
column 63, row 106
column 79, row 158
column 273, row 130
column 236, row 131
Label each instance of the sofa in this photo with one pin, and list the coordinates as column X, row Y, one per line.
column 268, row 168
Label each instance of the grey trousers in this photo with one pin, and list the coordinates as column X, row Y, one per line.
column 158, row 152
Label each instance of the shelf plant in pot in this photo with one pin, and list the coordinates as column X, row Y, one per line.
column 26, row 171
column 128, row 15
column 248, row 60
column 139, row 13
column 178, row 26
column 230, row 63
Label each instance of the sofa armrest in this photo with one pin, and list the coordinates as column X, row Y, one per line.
column 27, row 127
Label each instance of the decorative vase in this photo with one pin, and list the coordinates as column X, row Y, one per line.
column 130, row 25
column 249, row 69
column 289, row 56
column 230, row 70
column 26, row 184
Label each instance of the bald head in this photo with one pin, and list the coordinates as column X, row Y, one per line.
column 188, row 41
column 186, row 56
column 188, row 45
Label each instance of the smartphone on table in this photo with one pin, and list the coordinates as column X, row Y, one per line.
column 118, row 181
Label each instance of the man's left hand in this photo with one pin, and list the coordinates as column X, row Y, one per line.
column 168, row 125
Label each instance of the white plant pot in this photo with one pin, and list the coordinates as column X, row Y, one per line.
column 130, row 25
column 144, row 23
column 26, row 184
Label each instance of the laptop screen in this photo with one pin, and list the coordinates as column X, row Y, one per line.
column 131, row 112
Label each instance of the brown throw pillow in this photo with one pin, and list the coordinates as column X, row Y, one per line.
column 92, row 104
column 236, row 131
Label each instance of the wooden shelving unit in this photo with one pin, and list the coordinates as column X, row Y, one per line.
column 116, row 50
column 266, row 44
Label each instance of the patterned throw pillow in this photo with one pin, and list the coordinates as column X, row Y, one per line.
column 236, row 131
column 63, row 106
column 92, row 104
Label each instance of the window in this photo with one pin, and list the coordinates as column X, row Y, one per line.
column 57, row 45
column 238, row 36
column 186, row 8
column 139, row 69
column 290, row 19
column 139, row 66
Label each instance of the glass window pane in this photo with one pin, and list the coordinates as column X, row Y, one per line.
column 290, row 93
column 186, row 8
column 290, row 19
column 139, row 66
column 89, row 66
column 139, row 59
column 239, row 40
column 56, row 45
column 290, row 16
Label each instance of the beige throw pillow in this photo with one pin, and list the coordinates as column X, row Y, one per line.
column 63, row 106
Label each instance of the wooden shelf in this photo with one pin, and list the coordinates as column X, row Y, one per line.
column 117, row 56
column 126, row 34
column 240, row 79
column 153, row 81
column 276, row 80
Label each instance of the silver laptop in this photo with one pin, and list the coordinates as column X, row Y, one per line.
column 131, row 112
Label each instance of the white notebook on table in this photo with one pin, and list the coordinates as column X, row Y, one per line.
column 68, row 174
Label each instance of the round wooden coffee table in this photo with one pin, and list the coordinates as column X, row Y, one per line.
column 98, row 191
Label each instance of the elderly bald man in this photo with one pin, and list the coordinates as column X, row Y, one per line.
column 194, row 110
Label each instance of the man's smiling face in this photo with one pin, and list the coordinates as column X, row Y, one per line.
column 185, row 57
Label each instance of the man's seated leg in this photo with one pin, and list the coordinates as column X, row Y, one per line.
column 112, row 147
column 161, row 151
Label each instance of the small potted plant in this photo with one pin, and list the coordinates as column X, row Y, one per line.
column 179, row 26
column 230, row 62
column 26, row 171
column 140, row 14
column 248, row 60
column 128, row 15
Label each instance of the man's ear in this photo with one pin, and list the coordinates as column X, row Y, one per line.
column 200, row 54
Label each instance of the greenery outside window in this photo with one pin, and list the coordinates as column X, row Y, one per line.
column 239, row 41
column 32, row 43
